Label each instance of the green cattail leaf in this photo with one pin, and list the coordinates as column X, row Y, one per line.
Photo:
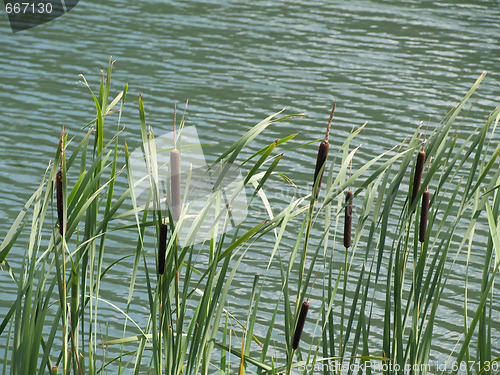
column 267, row 151
column 17, row 226
column 495, row 233
column 241, row 240
column 251, row 360
column 262, row 150
column 114, row 102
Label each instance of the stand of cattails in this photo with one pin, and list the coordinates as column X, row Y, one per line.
column 323, row 154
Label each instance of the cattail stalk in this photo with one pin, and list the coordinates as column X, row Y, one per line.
column 300, row 324
column 347, row 244
column 417, row 179
column 423, row 216
column 60, row 217
column 162, row 245
column 323, row 154
column 348, row 219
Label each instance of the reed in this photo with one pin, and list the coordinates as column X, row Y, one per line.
column 322, row 154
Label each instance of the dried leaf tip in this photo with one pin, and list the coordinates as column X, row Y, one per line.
column 300, row 325
column 330, row 121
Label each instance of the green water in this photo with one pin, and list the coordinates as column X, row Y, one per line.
column 392, row 64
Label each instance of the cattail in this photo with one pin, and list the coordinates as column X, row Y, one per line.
column 348, row 219
column 423, row 215
column 323, row 153
column 59, row 201
column 175, row 176
column 175, row 180
column 419, row 168
column 320, row 161
column 162, row 245
column 300, row 324
column 59, row 185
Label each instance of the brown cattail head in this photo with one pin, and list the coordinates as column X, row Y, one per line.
column 348, row 219
column 300, row 324
column 423, row 216
column 175, row 180
column 59, row 201
column 162, row 245
column 323, row 153
column 320, row 161
column 417, row 179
